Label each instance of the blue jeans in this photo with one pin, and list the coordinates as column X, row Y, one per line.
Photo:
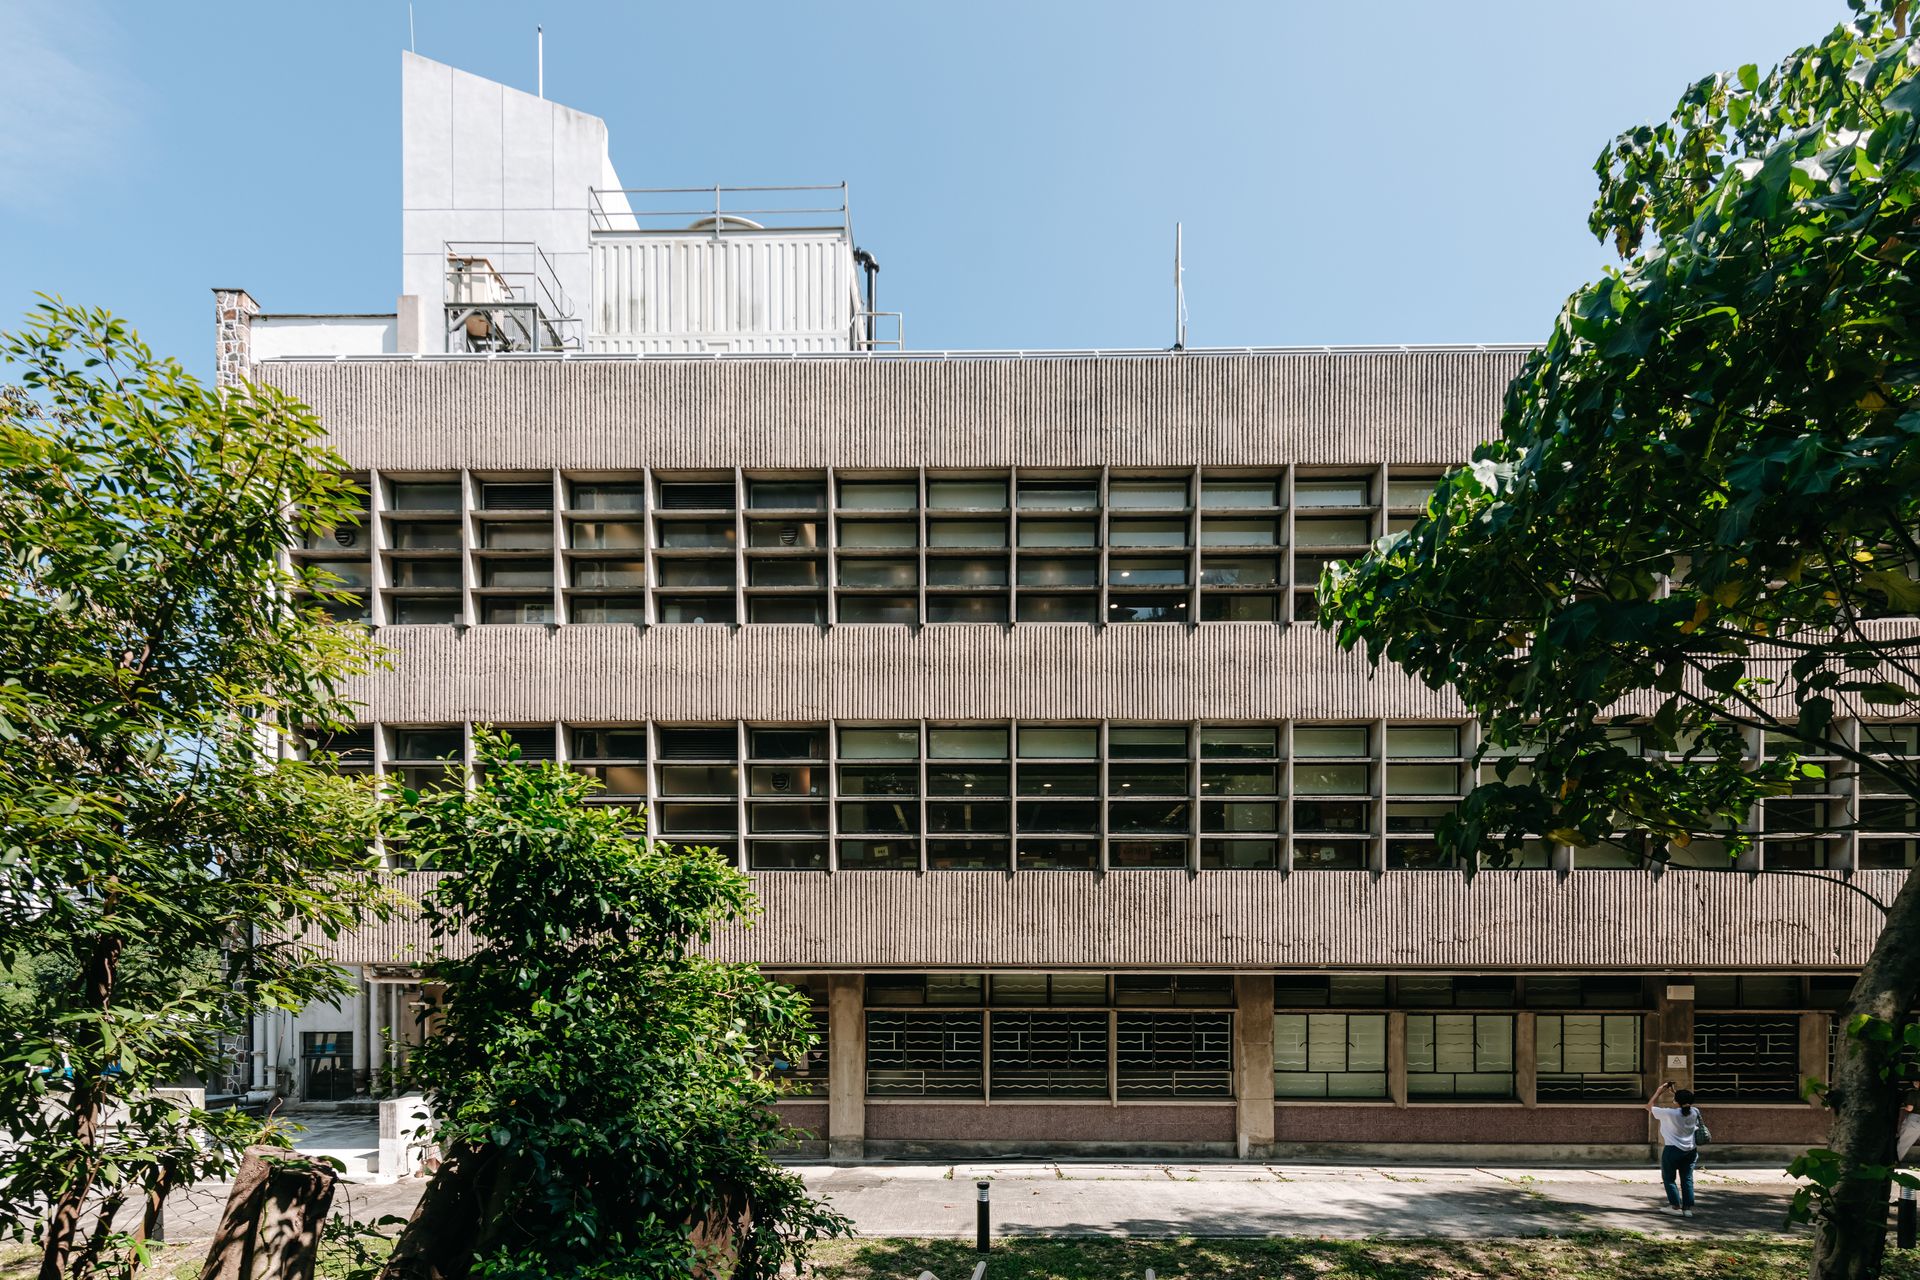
column 1678, row 1164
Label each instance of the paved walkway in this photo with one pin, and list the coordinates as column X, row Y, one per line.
column 1276, row 1199
column 1208, row 1199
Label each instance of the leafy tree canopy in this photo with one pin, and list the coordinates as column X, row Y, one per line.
column 157, row 856
column 602, row 1088
column 1701, row 510
column 1701, row 514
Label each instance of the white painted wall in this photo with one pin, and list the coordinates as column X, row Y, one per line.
column 275, row 336
column 483, row 162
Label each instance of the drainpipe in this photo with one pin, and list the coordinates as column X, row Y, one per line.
column 871, row 266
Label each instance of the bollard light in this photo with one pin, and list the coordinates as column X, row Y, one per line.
column 1903, row 1225
column 985, row 1208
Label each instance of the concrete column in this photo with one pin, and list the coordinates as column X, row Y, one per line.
column 1670, row 1035
column 409, row 338
column 370, row 1018
column 1397, row 1058
column 847, row 1068
column 362, row 1047
column 1526, row 1060
column 233, row 313
column 1815, row 1030
column 1253, row 1064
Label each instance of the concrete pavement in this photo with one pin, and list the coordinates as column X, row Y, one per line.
column 1349, row 1201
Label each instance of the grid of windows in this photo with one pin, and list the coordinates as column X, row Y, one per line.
column 1587, row 1057
column 1889, row 821
column 1746, row 1058
column 1050, row 1036
column 643, row 547
column 1459, row 1055
column 1330, row 1055
column 1001, row 796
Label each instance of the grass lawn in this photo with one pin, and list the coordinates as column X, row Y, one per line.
column 1600, row 1256
column 1612, row 1256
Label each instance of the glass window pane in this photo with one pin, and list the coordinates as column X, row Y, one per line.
column 1158, row 492
column 879, row 573
column 1404, row 740
column 1147, row 533
column 879, row 495
column 1215, row 532
column 878, row 533
column 984, row 743
column 1330, row 779
column 879, row 744
column 1239, row 742
column 1058, row 533
column 1146, row 741
column 1059, row 495
column 1356, row 491
column 1423, row 779
column 967, row 533
column 1239, row 491
column 1059, row 742
column 966, row 495
column 1330, row 741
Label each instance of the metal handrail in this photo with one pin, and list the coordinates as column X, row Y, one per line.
column 627, row 218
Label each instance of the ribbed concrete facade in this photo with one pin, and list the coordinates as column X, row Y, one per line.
column 1162, row 981
column 1193, row 409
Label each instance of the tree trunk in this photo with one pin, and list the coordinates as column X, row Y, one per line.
column 299, row 1194
column 1850, row 1229
column 63, row 1224
column 231, row 1255
column 438, row 1242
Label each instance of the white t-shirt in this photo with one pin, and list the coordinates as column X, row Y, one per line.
column 1677, row 1130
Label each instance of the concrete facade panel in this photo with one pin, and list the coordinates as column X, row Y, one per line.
column 1192, row 409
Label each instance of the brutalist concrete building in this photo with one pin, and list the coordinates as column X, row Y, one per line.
column 998, row 674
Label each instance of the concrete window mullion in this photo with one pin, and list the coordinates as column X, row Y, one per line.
column 921, row 838
column 740, row 757
column 1285, row 738
column 1285, row 613
column 1100, row 532
column 469, row 542
column 833, row 794
column 560, row 614
column 377, row 577
column 1377, row 772
column 740, row 563
column 1105, row 863
column 650, row 535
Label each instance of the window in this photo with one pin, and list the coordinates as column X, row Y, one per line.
column 1746, row 1058
column 424, row 759
column 1587, row 1057
column 968, row 788
column 1049, row 1055
column 1747, row 991
column 1239, row 796
column 1332, row 797
column 806, row 1076
column 1174, row 1055
column 1334, row 519
column 513, row 555
column 1890, row 822
column 879, row 798
column 1476, row 991
column 1149, row 809
column 924, row 1055
column 1198, row 989
column 1058, row 809
column 1601, row 991
column 1294, row 990
column 617, row 757
column 423, row 551
column 1049, row 989
column 1459, row 1055
column 338, row 560
column 786, row 798
column 1330, row 1055
column 698, row 780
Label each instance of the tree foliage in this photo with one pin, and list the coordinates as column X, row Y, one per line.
column 602, row 1088
column 158, row 858
column 1701, row 515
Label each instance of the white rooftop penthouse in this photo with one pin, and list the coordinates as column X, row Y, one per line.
column 517, row 235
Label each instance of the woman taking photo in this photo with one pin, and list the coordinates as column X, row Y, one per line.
column 1680, row 1127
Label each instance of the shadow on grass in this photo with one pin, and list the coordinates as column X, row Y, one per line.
column 1601, row 1256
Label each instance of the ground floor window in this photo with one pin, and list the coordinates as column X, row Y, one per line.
column 1459, row 1055
column 1747, row 1058
column 1330, row 1055
column 1175, row 1055
column 1587, row 1057
column 911, row 1054
column 1049, row 1055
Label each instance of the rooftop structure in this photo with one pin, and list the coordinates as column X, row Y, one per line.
column 997, row 673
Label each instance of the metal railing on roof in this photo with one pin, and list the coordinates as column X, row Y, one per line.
column 504, row 297
column 719, row 210
column 1057, row 353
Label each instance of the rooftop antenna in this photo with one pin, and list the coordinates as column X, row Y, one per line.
column 413, row 44
column 540, row 57
column 1179, row 294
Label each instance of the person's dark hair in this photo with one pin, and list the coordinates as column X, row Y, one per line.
column 1685, row 1098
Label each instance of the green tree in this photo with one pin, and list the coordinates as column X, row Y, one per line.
column 602, row 1088
column 158, row 859
column 1701, row 515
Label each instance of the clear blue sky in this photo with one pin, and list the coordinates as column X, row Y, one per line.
column 1394, row 172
